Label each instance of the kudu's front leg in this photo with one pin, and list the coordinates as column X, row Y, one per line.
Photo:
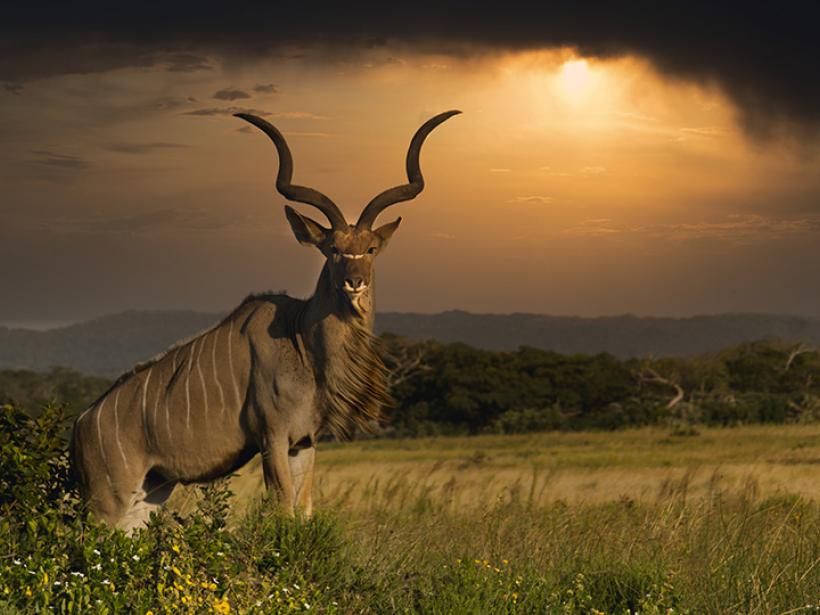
column 277, row 472
column 301, row 471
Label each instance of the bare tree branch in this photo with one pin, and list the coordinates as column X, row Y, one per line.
column 648, row 375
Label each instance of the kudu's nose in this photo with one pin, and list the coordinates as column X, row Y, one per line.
column 354, row 283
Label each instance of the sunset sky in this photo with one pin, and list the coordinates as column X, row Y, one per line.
column 586, row 176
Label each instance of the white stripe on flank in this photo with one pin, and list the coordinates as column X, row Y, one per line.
column 102, row 446
column 230, row 366
column 83, row 413
column 216, row 375
column 202, row 380
column 117, row 428
column 144, row 415
column 188, row 385
column 167, row 420
column 156, row 406
column 168, row 392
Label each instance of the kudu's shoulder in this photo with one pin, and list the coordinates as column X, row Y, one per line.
column 269, row 315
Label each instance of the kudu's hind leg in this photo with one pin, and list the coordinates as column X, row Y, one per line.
column 301, row 470
column 154, row 492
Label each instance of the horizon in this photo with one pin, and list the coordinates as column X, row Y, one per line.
column 52, row 325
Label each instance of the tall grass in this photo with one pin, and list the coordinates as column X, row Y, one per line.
column 406, row 546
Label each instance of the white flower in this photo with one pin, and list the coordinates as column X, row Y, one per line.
column 106, row 582
column 96, row 552
column 77, row 574
column 296, row 586
column 307, row 606
column 96, row 567
column 16, row 562
column 136, row 558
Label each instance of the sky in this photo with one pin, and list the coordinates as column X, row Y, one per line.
column 655, row 163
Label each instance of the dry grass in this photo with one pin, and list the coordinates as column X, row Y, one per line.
column 727, row 521
column 642, row 464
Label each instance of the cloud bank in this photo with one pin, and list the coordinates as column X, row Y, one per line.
column 764, row 57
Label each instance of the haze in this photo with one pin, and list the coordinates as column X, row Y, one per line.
column 570, row 185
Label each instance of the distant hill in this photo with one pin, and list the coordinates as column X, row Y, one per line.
column 109, row 345
column 623, row 336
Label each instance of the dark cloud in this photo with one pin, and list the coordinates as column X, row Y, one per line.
column 13, row 88
column 166, row 102
column 226, row 111
column 763, row 55
column 60, row 161
column 230, row 94
column 141, row 148
column 265, row 88
column 183, row 62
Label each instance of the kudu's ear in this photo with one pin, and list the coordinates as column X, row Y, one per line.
column 386, row 231
column 308, row 232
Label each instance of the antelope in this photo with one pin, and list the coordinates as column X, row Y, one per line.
column 270, row 378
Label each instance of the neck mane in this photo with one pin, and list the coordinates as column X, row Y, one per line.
column 352, row 377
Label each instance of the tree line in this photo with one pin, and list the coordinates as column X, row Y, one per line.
column 457, row 389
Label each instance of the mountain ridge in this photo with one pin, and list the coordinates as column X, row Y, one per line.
column 111, row 344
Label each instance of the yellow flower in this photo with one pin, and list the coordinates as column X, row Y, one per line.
column 149, row 612
column 185, row 600
column 505, row 561
column 45, row 578
column 28, row 592
column 175, row 548
column 176, row 571
column 221, row 605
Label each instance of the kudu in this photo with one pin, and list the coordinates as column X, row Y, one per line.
column 269, row 378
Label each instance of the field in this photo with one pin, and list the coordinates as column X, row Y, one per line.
column 640, row 465
column 724, row 521
column 633, row 521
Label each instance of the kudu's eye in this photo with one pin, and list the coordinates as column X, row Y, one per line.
column 371, row 250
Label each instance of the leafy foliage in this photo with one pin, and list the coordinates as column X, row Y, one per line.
column 458, row 389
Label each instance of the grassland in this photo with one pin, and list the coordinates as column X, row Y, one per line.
column 643, row 465
column 725, row 521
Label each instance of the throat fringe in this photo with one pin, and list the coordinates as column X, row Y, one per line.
column 356, row 386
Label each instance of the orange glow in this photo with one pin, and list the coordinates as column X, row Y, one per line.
column 575, row 78
column 583, row 184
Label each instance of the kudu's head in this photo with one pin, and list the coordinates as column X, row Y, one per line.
column 349, row 248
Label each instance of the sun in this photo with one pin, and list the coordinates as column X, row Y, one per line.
column 575, row 78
